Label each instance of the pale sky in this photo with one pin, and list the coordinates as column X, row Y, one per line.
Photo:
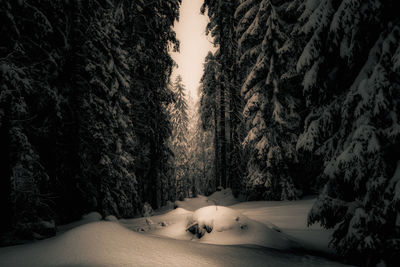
column 194, row 45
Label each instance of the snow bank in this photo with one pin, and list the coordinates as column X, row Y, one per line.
column 264, row 219
column 224, row 226
column 110, row 244
column 291, row 218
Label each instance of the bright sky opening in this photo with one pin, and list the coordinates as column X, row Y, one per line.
column 194, row 45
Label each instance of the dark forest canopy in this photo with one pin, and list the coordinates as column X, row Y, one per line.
column 301, row 97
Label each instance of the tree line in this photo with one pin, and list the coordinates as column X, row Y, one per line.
column 83, row 118
column 303, row 97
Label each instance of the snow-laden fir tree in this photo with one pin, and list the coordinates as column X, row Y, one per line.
column 249, row 33
column 30, row 58
column 351, row 84
column 105, row 127
column 148, row 37
column 271, row 102
column 222, row 28
column 179, row 138
column 201, row 157
column 208, row 108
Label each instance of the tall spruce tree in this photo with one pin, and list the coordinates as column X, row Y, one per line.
column 179, row 138
column 106, row 141
column 269, row 87
column 201, row 154
column 148, row 35
column 32, row 46
column 351, row 86
column 208, row 109
column 222, row 28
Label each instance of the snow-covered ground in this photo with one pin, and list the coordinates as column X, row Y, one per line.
column 213, row 231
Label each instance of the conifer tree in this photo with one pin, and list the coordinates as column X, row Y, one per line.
column 209, row 109
column 29, row 106
column 148, row 36
column 271, row 111
column 201, row 155
column 353, row 92
column 105, row 128
column 222, row 28
column 179, row 138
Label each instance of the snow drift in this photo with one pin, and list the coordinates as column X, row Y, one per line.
column 110, row 244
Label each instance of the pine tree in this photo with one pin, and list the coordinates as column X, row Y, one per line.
column 30, row 56
column 351, row 85
column 148, row 36
column 179, row 138
column 105, row 128
column 208, row 109
column 222, row 28
column 201, row 157
column 270, row 91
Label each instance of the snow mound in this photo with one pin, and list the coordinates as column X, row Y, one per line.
column 224, row 226
column 217, row 218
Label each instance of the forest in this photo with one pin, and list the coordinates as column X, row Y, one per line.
column 300, row 98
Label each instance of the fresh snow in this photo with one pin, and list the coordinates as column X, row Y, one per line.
column 260, row 233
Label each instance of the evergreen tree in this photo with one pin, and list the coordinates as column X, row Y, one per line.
column 179, row 138
column 222, row 28
column 201, row 159
column 148, row 35
column 106, row 141
column 271, row 111
column 351, row 86
column 208, row 109
column 30, row 56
